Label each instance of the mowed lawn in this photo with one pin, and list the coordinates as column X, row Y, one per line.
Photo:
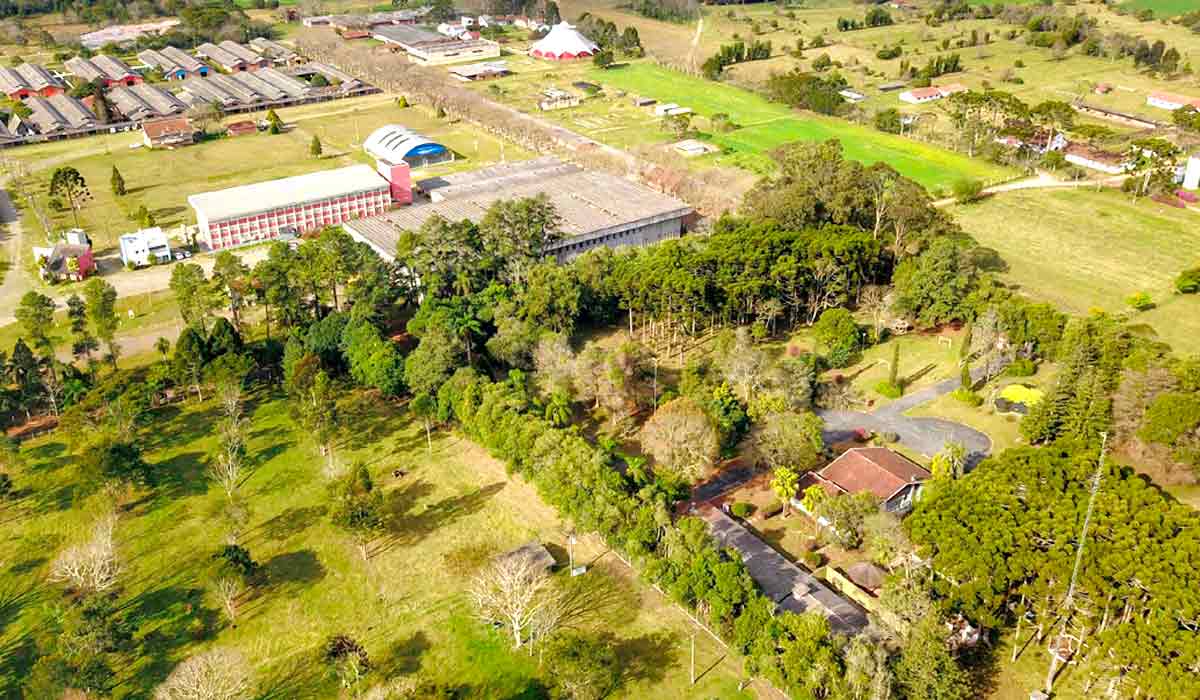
column 1081, row 249
column 161, row 180
column 407, row 604
column 765, row 125
column 1162, row 8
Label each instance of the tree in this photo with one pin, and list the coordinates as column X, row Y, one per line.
column 424, row 407
column 83, row 343
column 518, row 231
column 582, row 667
column 358, row 507
column 436, row 357
column 678, row 125
column 603, row 59
column 934, row 286
column 230, row 277
column 512, row 591
column 112, row 458
column 789, row 439
column 224, row 339
column 319, row 415
column 102, row 312
column 163, row 347
column 117, row 182
column 552, row 15
column 839, row 335
column 193, row 293
column 219, row 674
column 681, row 437
column 66, row 182
column 191, row 354
column 926, row 669
column 348, row 659
column 1152, row 165
column 950, row 463
column 784, row 484
column 846, row 514
column 967, row 190
column 91, row 566
column 314, row 147
column 35, row 313
column 23, row 371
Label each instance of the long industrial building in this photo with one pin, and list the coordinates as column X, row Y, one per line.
column 261, row 211
column 29, row 79
column 59, row 113
column 597, row 209
column 427, row 48
column 174, row 63
column 108, row 70
column 239, row 90
column 142, row 102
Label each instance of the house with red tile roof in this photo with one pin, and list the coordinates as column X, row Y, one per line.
column 891, row 477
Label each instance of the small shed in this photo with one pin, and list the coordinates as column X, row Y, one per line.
column 241, row 128
column 168, row 132
column 866, row 576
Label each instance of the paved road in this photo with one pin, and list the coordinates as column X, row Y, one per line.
column 927, row 436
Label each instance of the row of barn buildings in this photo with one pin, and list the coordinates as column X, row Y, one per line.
column 260, row 75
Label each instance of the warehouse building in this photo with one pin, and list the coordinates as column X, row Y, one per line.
column 428, row 48
column 333, row 76
column 243, row 90
column 597, row 209
column 106, row 69
column 394, row 143
column 259, row 212
column 174, row 63
column 29, row 79
column 58, row 113
column 143, row 101
column 231, row 56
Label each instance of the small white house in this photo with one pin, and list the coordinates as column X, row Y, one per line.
column 851, row 96
column 146, row 247
column 467, row 21
column 1170, row 100
column 663, row 109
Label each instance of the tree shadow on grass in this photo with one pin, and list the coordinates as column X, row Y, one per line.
column 17, row 655
column 290, row 522
column 48, row 457
column 265, row 455
column 181, row 475
column 372, row 421
column 300, row 568
column 408, row 526
column 300, row 678
column 13, row 601
column 647, row 658
column 404, row 657
column 181, row 428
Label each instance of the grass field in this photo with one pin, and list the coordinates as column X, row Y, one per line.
column 1081, row 249
column 162, row 180
column 406, row 604
column 1162, row 8
column 765, row 125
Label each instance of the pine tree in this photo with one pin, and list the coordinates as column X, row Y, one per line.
column 965, row 378
column 314, row 147
column 964, row 350
column 894, row 372
column 402, row 102
column 118, row 182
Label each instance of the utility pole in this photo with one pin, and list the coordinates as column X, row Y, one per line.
column 1070, row 599
column 693, row 658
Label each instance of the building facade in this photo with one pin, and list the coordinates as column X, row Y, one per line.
column 259, row 212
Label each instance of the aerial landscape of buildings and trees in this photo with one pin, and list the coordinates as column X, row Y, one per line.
column 819, row 349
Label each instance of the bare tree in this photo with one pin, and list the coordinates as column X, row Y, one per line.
column 554, row 364
column 220, row 674
column 228, row 591
column 681, row 437
column 92, row 566
column 513, row 591
column 876, row 302
column 743, row 365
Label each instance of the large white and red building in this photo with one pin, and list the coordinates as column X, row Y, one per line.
column 564, row 42
column 261, row 211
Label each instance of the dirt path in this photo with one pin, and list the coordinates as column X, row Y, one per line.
column 1043, row 180
column 15, row 280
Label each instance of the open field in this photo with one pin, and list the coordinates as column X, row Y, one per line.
column 1081, row 249
column 1162, row 8
column 613, row 119
column 162, row 180
column 406, row 604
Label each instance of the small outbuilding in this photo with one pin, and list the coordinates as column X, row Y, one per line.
column 148, row 246
column 168, row 132
column 394, row 143
column 535, row 552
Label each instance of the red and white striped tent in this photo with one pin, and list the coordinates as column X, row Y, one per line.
column 564, row 42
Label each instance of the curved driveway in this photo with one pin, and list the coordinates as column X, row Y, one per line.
column 926, row 436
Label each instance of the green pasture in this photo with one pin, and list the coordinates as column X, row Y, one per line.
column 1162, row 8
column 765, row 125
column 1081, row 249
column 407, row 603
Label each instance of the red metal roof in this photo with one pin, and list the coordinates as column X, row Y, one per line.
column 158, row 128
column 875, row 469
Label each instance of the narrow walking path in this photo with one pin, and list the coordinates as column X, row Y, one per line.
column 1042, row 180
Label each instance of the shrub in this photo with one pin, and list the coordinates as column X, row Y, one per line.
column 1140, row 301
column 813, row 560
column 1022, row 367
column 968, row 397
column 772, row 509
column 741, row 509
column 1019, row 393
column 889, row 437
column 967, row 190
column 1188, row 281
column 888, row 390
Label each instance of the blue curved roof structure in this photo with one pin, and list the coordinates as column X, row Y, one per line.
column 394, row 143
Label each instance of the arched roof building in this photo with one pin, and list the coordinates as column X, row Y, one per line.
column 394, row 143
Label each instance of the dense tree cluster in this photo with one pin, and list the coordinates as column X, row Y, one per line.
column 732, row 54
column 1003, row 544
